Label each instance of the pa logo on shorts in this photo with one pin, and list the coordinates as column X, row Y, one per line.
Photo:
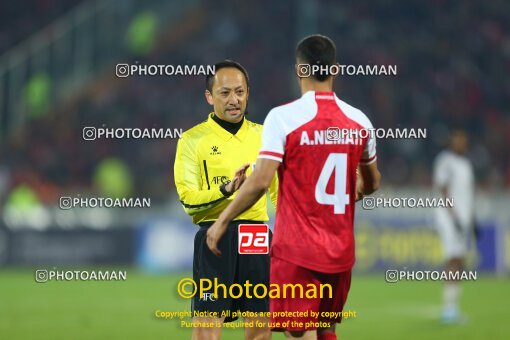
column 253, row 239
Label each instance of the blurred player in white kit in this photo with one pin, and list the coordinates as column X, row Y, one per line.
column 453, row 176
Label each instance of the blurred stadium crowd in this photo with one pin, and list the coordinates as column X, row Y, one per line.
column 452, row 63
column 20, row 19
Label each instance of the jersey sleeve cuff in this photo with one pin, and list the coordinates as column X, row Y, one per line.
column 275, row 156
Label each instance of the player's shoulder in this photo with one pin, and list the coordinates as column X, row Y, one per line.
column 353, row 113
column 293, row 113
column 445, row 156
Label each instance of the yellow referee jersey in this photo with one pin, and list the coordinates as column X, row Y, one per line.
column 207, row 156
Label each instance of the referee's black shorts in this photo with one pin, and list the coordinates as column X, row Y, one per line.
column 230, row 268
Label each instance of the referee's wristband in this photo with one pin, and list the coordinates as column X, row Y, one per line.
column 224, row 190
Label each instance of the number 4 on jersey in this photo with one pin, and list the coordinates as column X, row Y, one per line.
column 339, row 199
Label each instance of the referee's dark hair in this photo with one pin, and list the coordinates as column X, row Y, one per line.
column 209, row 80
column 316, row 49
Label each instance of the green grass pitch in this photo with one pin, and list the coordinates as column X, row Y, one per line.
column 125, row 309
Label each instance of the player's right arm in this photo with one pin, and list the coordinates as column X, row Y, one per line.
column 368, row 171
column 371, row 178
column 188, row 181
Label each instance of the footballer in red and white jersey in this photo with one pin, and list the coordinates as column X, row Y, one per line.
column 318, row 141
column 316, row 144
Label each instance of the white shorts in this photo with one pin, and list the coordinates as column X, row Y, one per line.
column 454, row 238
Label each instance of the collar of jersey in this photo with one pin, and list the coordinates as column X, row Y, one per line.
column 224, row 134
column 312, row 94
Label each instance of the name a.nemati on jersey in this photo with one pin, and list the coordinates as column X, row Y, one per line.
column 323, row 137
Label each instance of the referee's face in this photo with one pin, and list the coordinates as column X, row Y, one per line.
column 229, row 94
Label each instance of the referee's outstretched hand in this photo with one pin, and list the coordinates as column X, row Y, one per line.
column 238, row 180
column 214, row 234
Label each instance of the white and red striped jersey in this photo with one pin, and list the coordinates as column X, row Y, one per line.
column 317, row 178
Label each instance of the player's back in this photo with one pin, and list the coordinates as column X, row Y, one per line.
column 315, row 214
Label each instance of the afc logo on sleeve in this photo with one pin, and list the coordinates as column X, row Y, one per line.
column 253, row 239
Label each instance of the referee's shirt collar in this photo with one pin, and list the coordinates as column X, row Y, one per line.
column 224, row 134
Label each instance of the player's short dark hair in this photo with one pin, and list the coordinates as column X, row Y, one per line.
column 319, row 50
column 209, row 80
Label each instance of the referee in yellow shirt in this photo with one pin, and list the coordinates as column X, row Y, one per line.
column 212, row 161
